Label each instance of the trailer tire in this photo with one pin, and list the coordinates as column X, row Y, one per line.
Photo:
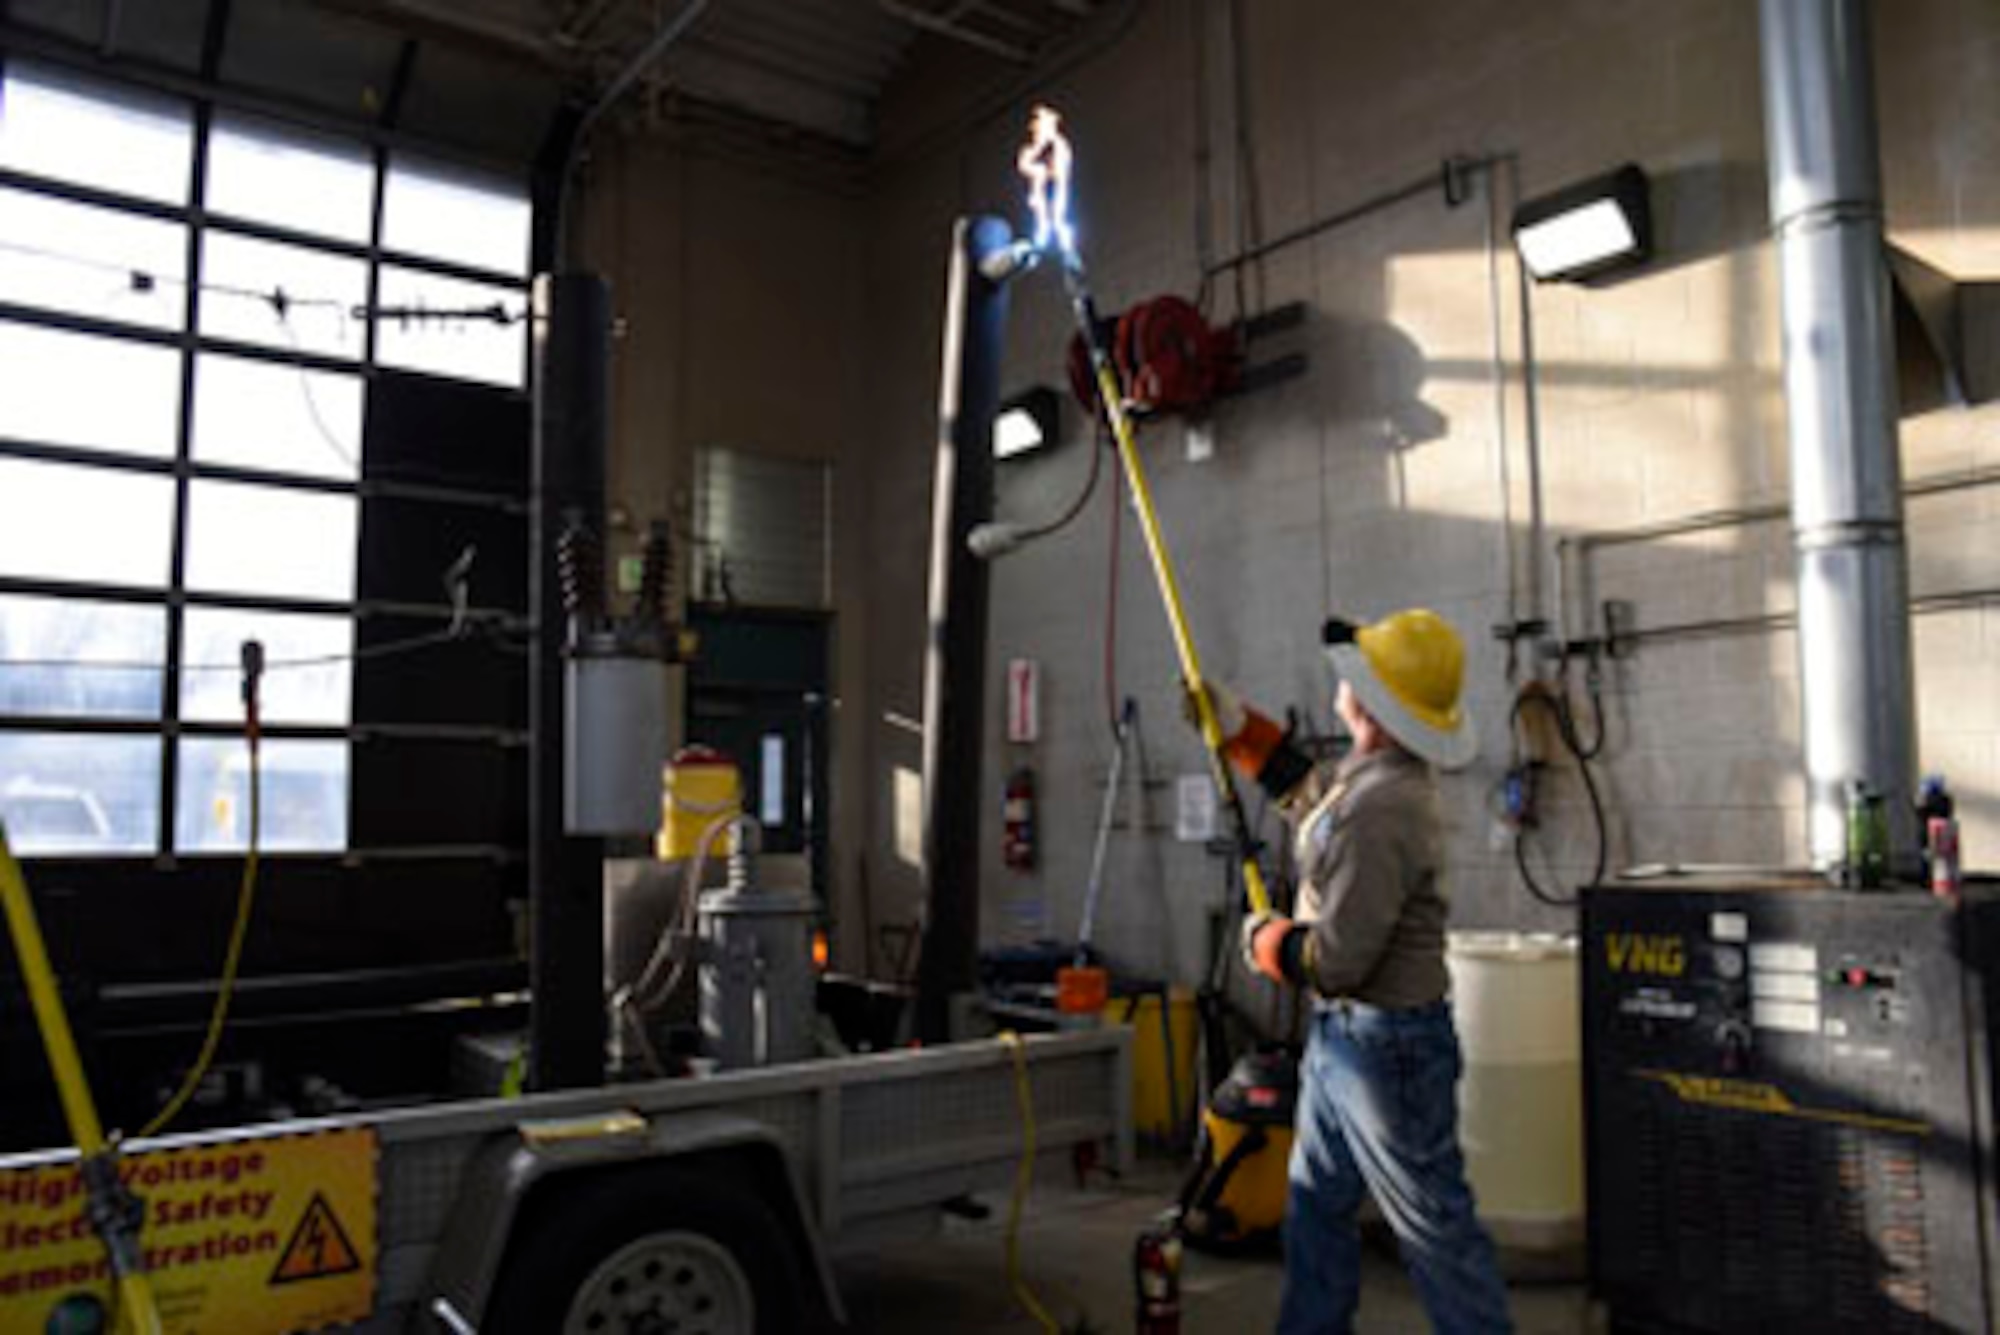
column 699, row 1249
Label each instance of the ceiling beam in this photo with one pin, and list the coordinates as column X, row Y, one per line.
column 715, row 77
column 923, row 18
column 582, row 20
column 445, row 26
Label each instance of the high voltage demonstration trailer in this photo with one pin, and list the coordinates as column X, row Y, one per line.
column 497, row 1215
column 704, row 1204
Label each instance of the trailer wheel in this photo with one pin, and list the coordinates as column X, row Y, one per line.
column 663, row 1251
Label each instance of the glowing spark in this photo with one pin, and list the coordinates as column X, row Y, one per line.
column 1044, row 163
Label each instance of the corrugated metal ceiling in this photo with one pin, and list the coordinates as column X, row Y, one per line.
column 488, row 74
column 818, row 65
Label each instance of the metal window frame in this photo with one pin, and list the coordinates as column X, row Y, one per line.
column 181, row 466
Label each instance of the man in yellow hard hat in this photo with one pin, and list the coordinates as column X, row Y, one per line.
column 1378, row 1096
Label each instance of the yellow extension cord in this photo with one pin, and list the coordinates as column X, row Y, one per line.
column 232, row 959
column 1024, row 1175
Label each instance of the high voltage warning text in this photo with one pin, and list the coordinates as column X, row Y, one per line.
column 232, row 1234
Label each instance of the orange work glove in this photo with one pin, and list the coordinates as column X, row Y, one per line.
column 1269, row 948
column 1249, row 737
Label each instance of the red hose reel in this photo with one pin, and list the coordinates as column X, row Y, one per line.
column 1169, row 359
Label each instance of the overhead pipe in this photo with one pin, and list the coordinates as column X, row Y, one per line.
column 1856, row 680
column 621, row 83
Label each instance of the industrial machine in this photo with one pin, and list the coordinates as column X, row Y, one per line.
column 1789, row 1086
column 1790, row 1107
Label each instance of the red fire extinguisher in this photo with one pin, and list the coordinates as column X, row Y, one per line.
column 1156, row 1279
column 1017, row 840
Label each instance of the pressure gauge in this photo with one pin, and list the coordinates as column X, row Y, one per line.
column 1728, row 962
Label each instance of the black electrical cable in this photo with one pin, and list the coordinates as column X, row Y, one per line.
column 1111, row 609
column 1062, row 521
column 1596, row 748
column 361, row 654
column 1565, row 721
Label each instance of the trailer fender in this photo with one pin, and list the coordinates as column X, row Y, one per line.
column 515, row 1173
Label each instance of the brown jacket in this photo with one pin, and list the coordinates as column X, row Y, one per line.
column 1370, row 852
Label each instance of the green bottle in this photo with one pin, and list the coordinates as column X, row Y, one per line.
column 1867, row 837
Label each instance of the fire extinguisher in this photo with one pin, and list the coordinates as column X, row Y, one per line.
column 1017, row 841
column 1156, row 1279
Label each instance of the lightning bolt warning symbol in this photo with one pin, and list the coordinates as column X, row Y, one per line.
column 319, row 1247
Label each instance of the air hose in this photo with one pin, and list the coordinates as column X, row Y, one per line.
column 1563, row 715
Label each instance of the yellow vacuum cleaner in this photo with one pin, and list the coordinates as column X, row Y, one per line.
column 1233, row 1200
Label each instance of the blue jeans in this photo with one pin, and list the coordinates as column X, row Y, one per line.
column 1378, row 1113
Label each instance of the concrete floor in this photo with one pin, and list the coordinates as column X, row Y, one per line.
column 1076, row 1253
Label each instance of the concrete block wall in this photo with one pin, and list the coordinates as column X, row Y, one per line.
column 1401, row 470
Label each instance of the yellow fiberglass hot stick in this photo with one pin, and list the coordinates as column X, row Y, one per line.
column 111, row 1207
column 1112, row 396
column 1045, row 162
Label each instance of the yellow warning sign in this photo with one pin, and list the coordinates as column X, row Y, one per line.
column 261, row 1236
column 319, row 1247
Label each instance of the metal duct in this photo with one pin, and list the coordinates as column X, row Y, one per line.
column 955, row 654
column 1840, row 390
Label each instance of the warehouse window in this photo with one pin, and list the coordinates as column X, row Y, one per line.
column 65, row 256
column 84, row 132
column 80, row 792
column 445, row 213
column 64, row 630
column 265, row 173
column 143, row 539
column 281, row 296
column 448, row 326
column 276, row 418
column 57, row 385
column 273, row 542
column 87, row 525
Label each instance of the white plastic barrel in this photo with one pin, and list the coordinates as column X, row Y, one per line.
column 1521, row 1102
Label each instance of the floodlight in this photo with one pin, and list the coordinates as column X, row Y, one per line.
column 1588, row 229
column 1026, row 422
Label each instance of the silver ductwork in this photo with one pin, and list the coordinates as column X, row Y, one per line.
column 1840, row 390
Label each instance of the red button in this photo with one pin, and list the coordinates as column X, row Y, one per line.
column 1857, row 977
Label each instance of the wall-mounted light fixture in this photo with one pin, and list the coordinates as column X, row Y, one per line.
column 1028, row 421
column 1588, row 229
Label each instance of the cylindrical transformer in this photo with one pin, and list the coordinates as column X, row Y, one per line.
column 757, row 981
column 617, row 737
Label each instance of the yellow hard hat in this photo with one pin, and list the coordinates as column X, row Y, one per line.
column 1407, row 670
